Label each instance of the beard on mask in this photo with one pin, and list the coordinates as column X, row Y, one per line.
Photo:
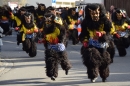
column 49, row 28
column 94, row 25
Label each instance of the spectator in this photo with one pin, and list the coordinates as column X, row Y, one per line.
column 111, row 9
column 1, row 42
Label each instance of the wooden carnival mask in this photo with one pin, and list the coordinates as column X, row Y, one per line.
column 95, row 14
column 119, row 15
column 28, row 18
column 108, row 15
column 42, row 8
column 73, row 12
column 49, row 19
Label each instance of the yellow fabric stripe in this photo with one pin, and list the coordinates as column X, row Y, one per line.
column 18, row 21
column 53, row 36
column 25, row 31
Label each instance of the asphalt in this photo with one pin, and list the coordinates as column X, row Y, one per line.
column 4, row 63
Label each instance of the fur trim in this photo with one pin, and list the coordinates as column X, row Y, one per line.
column 52, row 59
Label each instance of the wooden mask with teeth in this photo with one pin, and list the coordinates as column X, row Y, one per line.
column 94, row 14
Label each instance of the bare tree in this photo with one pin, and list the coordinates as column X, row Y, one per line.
column 20, row 2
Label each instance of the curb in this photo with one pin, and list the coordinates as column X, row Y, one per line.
column 5, row 65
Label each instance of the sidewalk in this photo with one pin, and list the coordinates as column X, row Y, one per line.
column 5, row 65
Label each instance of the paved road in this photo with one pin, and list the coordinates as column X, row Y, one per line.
column 21, row 70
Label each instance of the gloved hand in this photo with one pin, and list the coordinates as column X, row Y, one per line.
column 98, row 34
column 10, row 13
column 41, row 41
column 16, row 28
column 35, row 30
column 85, row 44
column 128, row 27
column 116, row 35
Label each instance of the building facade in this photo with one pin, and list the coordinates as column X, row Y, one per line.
column 19, row 2
column 55, row 3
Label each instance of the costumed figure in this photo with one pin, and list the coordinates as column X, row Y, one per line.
column 5, row 11
column 55, row 50
column 121, row 38
column 111, row 49
column 17, row 17
column 59, row 21
column 72, row 25
column 96, row 29
column 28, row 28
column 38, row 19
column 40, row 11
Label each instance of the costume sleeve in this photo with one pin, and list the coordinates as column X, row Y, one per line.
column 62, row 34
column 125, row 25
column 21, row 29
column 53, row 37
column 68, row 20
column 18, row 21
column 35, row 29
column 113, row 30
column 23, row 35
column 12, row 16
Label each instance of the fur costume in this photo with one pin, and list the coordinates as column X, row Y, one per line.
column 28, row 28
column 58, row 20
column 38, row 19
column 5, row 11
column 55, row 35
column 40, row 11
column 120, row 23
column 72, row 21
column 17, row 23
column 96, row 50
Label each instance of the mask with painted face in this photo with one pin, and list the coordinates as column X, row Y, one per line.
column 120, row 14
column 28, row 17
column 49, row 19
column 95, row 14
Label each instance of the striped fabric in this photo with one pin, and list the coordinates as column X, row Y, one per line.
column 80, row 19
